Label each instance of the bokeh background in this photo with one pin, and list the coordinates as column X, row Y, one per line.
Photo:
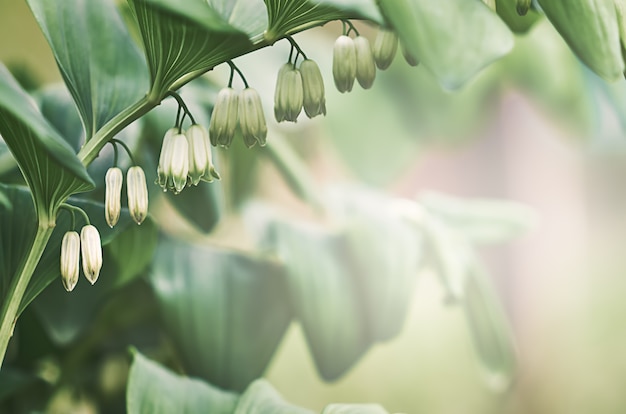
column 536, row 128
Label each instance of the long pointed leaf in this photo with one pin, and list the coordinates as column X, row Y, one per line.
column 100, row 63
column 453, row 38
column 226, row 311
column 49, row 165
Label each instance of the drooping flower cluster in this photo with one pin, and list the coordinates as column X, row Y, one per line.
column 137, row 191
column 87, row 247
column 297, row 89
column 354, row 59
column 243, row 109
column 185, row 159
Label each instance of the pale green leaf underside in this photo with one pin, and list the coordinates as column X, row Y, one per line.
column 155, row 390
column 101, row 65
column 590, row 28
column 47, row 162
column 354, row 409
column 455, row 39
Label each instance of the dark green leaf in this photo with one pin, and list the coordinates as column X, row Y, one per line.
column 363, row 8
column 455, row 39
column 132, row 250
column 591, row 29
column 155, row 390
column 261, row 398
column 49, row 165
column 57, row 106
column 226, row 311
column 183, row 38
column 100, row 63
column 288, row 17
column 14, row 380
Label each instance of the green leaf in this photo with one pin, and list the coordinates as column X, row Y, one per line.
column 57, row 106
column 480, row 220
column 99, row 62
column 183, row 38
column 132, row 250
column 261, row 398
column 226, row 311
column 590, row 28
column 490, row 331
column 49, row 165
column 155, row 390
column 366, row 9
column 14, row 380
column 322, row 289
column 288, row 17
column 507, row 11
column 455, row 39
column 384, row 256
column 354, row 409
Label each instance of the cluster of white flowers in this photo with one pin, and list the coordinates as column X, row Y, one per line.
column 298, row 89
column 73, row 247
column 185, row 159
column 354, row 59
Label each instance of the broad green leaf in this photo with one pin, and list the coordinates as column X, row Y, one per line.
column 261, row 398
column 455, row 39
column 322, row 289
column 288, row 17
column 226, row 311
column 99, row 62
column 364, row 8
column 490, row 331
column 57, row 106
column 480, row 220
column 183, row 38
column 354, row 409
column 156, row 390
column 132, row 250
column 49, row 165
column 590, row 28
column 385, row 255
column 519, row 24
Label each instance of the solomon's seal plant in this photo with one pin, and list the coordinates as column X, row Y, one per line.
column 223, row 311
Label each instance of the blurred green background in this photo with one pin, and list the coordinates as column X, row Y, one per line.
column 535, row 127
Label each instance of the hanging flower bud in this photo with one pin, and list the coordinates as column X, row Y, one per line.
column 200, row 162
column 385, row 47
column 70, row 257
column 224, row 118
column 165, row 158
column 179, row 165
column 91, row 250
column 344, row 63
column 522, row 7
column 314, row 101
column 288, row 97
column 408, row 56
column 365, row 65
column 137, row 194
column 113, row 195
column 252, row 118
